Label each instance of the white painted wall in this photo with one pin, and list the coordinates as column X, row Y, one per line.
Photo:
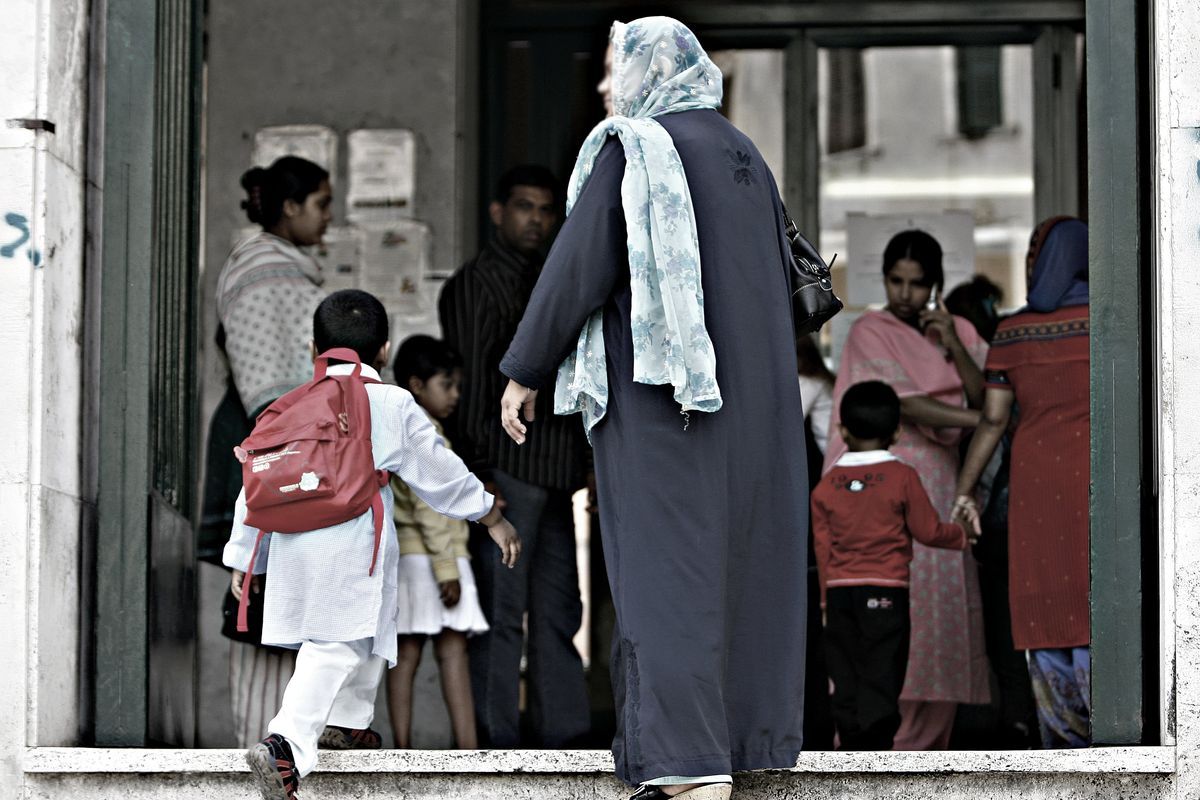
column 43, row 61
column 1177, row 143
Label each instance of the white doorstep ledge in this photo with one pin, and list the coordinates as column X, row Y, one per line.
column 1099, row 760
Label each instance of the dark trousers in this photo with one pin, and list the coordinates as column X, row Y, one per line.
column 544, row 585
column 866, row 651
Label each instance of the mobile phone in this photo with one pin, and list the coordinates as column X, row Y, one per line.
column 932, row 305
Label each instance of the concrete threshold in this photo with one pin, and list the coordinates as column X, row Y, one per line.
column 1129, row 773
column 1116, row 760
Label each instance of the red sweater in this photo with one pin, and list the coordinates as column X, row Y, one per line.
column 866, row 511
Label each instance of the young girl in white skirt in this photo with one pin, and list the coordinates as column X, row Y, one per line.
column 437, row 594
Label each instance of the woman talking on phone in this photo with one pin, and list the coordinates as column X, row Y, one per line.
column 933, row 360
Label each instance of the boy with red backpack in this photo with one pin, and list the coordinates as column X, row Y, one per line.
column 332, row 591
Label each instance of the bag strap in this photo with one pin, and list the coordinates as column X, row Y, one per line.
column 377, row 512
column 321, row 362
column 243, row 623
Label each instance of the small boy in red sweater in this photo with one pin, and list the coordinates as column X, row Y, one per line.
column 866, row 511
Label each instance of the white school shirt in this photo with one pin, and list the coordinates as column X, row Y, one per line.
column 317, row 585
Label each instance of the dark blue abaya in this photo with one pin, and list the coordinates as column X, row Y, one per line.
column 704, row 518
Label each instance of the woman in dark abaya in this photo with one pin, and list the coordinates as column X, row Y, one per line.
column 664, row 309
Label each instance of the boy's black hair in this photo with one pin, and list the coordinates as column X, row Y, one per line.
column 870, row 410
column 351, row 318
column 528, row 175
column 422, row 357
column 916, row 246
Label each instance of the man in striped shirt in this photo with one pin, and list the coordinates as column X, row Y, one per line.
column 480, row 308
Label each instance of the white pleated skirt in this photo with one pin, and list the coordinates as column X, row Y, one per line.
column 420, row 609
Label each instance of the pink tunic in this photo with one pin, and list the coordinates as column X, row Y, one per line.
column 947, row 660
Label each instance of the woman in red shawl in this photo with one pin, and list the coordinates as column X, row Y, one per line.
column 933, row 361
column 1039, row 362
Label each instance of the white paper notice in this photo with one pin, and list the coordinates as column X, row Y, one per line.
column 340, row 257
column 395, row 261
column 867, row 237
column 382, row 167
column 315, row 142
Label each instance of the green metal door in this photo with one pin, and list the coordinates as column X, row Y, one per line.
column 148, row 244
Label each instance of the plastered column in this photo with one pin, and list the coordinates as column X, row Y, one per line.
column 18, row 198
column 43, row 60
column 1177, row 143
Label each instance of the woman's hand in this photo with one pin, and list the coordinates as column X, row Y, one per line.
column 451, row 593
column 506, row 538
column 940, row 321
column 517, row 398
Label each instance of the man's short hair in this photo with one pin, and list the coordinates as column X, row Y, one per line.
column 870, row 410
column 528, row 175
column 351, row 318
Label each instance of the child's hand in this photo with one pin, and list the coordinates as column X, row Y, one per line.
column 451, row 592
column 965, row 513
column 235, row 584
column 506, row 538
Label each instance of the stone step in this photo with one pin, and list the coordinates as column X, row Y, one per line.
column 1131, row 773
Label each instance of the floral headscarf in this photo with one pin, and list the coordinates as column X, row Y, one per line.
column 658, row 68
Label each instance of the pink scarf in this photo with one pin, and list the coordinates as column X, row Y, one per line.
column 881, row 347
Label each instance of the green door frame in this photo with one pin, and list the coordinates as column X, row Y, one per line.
column 1122, row 505
column 147, row 248
column 125, row 252
column 1121, row 497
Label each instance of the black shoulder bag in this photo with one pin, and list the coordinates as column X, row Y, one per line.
column 813, row 301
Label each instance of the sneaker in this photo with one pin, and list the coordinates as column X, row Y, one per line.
column 335, row 737
column 271, row 762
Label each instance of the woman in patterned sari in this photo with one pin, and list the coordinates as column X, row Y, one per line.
column 932, row 360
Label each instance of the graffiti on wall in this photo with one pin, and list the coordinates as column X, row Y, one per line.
column 19, row 223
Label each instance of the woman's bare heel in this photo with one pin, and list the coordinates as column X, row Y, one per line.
column 709, row 791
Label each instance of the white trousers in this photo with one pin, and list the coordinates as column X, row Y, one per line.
column 334, row 684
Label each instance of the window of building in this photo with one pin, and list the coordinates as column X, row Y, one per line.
column 980, row 99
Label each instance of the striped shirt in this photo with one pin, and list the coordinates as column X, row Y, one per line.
column 480, row 308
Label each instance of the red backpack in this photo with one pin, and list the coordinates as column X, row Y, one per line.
column 308, row 463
